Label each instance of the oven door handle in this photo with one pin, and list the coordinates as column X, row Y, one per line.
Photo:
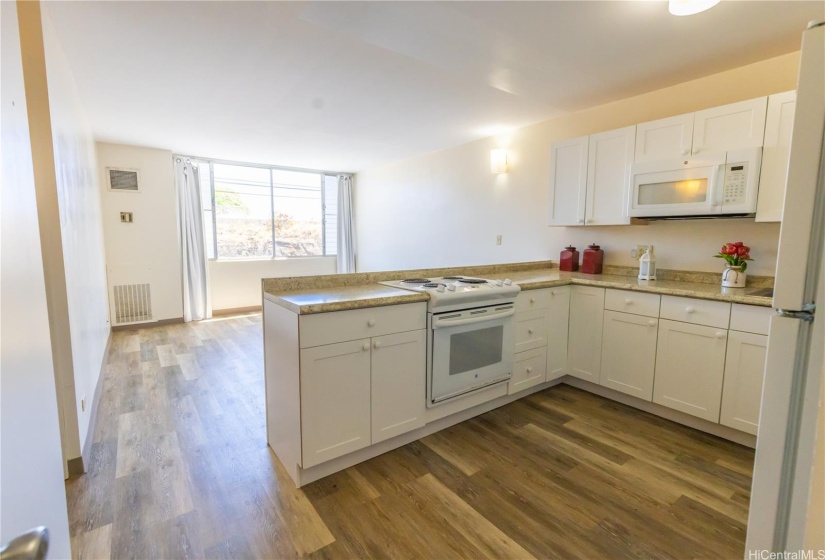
column 442, row 323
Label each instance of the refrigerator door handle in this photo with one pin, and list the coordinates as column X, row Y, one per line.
column 807, row 316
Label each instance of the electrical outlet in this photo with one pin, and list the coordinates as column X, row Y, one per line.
column 498, row 239
column 126, row 217
column 639, row 251
column 83, row 404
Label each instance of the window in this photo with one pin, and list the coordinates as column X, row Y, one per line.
column 252, row 211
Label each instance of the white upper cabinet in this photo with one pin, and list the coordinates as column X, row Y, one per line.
column 568, row 182
column 664, row 139
column 609, row 157
column 777, row 148
column 730, row 127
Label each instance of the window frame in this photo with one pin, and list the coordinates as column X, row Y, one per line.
column 322, row 174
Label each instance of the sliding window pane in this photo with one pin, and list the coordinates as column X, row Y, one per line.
column 330, row 214
column 298, row 213
column 243, row 211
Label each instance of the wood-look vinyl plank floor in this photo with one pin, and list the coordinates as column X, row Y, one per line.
column 180, row 469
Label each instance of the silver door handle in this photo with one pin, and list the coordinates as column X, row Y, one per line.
column 441, row 323
column 32, row 545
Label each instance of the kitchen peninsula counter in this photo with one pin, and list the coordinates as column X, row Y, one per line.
column 327, row 293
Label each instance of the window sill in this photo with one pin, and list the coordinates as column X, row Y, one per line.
column 266, row 259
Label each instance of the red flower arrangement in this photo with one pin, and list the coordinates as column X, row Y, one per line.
column 736, row 254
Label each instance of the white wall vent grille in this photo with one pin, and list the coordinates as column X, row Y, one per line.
column 133, row 303
column 122, row 180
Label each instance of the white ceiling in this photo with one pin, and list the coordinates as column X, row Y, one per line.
column 348, row 85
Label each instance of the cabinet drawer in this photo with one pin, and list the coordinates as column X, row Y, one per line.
column 750, row 318
column 696, row 311
column 529, row 300
column 531, row 330
column 340, row 326
column 529, row 369
column 637, row 303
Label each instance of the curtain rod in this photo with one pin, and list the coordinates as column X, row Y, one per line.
column 262, row 165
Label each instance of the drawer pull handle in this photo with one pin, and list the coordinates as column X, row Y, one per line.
column 529, row 370
column 377, row 344
column 689, row 310
column 720, row 334
column 651, row 323
column 371, row 323
column 365, row 347
column 628, row 301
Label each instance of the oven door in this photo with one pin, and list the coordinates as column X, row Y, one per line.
column 690, row 188
column 470, row 349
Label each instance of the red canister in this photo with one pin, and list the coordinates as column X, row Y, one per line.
column 569, row 260
column 592, row 260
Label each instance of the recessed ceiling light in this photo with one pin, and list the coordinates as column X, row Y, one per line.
column 690, row 7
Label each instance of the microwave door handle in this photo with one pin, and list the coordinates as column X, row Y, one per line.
column 441, row 323
column 714, row 185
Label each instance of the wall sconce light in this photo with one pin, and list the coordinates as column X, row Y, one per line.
column 498, row 161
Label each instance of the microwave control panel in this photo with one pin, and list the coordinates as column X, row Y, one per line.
column 736, row 177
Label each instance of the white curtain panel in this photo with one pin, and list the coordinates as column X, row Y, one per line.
column 196, row 302
column 346, row 226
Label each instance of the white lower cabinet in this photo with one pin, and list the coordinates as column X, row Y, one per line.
column 529, row 369
column 629, row 353
column 398, row 383
column 584, row 349
column 690, row 367
column 335, row 400
column 744, row 373
column 559, row 316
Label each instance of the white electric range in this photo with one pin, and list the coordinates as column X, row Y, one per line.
column 470, row 343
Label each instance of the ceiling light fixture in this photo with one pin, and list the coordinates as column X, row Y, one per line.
column 690, row 7
column 498, row 161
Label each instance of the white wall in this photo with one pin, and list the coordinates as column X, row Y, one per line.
column 236, row 284
column 147, row 250
column 31, row 466
column 81, row 227
column 446, row 208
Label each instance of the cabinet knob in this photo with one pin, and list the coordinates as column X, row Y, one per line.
column 529, row 331
column 720, row 334
column 651, row 323
column 377, row 344
column 532, row 300
column 552, row 292
column 365, row 347
column 689, row 309
column 371, row 323
column 529, row 370
column 628, row 301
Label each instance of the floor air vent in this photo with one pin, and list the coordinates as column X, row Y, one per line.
column 133, row 303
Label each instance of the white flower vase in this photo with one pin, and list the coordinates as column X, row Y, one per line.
column 733, row 277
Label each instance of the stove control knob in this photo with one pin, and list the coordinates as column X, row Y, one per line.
column 451, row 287
column 499, row 283
column 507, row 282
column 440, row 288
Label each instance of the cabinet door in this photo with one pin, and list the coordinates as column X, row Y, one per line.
column 335, row 400
column 744, row 372
column 558, row 316
column 399, row 379
column 609, row 157
column 584, row 349
column 777, row 148
column 629, row 353
column 690, row 365
column 730, row 127
column 529, row 369
column 664, row 139
column 568, row 182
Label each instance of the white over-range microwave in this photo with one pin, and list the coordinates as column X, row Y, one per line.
column 713, row 185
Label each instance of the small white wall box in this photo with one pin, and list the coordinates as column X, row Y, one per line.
column 120, row 179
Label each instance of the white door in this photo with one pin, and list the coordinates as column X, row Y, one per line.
column 568, row 182
column 609, row 157
column 664, row 139
column 629, row 353
column 742, row 389
column 775, row 155
column 584, row 349
column 558, row 317
column 335, row 400
column 690, row 365
column 399, row 383
column 529, row 369
column 730, row 127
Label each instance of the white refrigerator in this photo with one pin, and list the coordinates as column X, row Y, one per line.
column 794, row 364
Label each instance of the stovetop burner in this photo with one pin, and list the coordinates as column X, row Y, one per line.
column 472, row 281
column 452, row 278
column 416, row 281
column 433, row 285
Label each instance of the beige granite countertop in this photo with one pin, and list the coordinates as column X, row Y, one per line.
column 325, row 298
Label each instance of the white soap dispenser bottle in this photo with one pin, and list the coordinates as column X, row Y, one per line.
column 647, row 265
